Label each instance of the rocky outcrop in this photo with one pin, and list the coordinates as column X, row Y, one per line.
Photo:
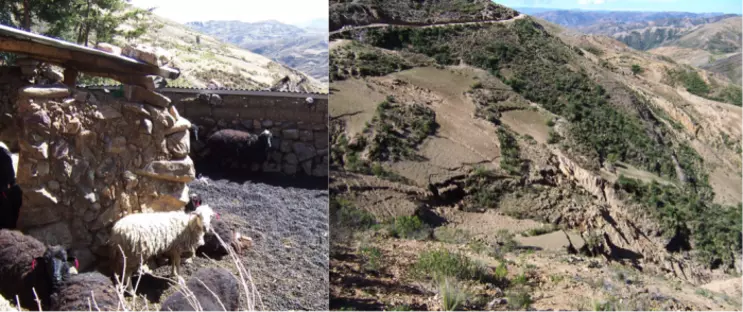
column 617, row 230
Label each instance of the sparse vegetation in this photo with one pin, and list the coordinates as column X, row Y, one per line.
column 540, row 230
column 397, row 129
column 441, row 263
column 410, row 227
column 509, row 149
column 452, row 294
column 636, row 69
column 371, row 257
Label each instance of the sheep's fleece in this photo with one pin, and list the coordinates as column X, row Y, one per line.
column 154, row 233
column 86, row 292
column 214, row 279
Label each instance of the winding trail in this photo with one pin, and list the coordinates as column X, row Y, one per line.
column 380, row 25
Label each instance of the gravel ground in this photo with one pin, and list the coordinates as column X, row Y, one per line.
column 289, row 228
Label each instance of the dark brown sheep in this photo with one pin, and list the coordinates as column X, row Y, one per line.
column 204, row 284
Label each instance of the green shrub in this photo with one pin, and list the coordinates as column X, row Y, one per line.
column 553, row 137
column 451, row 235
column 440, row 264
column 409, row 227
column 372, row 258
column 509, row 150
column 549, row 228
column 351, row 216
column 636, row 69
column 519, row 299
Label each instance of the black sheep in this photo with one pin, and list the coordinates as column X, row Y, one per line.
column 10, row 193
column 215, row 280
column 89, row 291
column 212, row 248
column 26, row 263
column 239, row 146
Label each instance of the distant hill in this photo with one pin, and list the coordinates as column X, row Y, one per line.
column 202, row 58
column 305, row 49
column 579, row 19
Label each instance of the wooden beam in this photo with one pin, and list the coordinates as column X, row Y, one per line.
column 70, row 77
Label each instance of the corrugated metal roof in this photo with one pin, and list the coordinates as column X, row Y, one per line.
column 30, row 44
column 225, row 91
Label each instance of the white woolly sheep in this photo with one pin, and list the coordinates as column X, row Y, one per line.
column 205, row 285
column 27, row 264
column 88, row 291
column 142, row 236
column 5, row 305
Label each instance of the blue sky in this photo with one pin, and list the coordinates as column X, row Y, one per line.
column 285, row 11
column 696, row 6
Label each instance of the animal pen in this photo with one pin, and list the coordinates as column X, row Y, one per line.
column 85, row 159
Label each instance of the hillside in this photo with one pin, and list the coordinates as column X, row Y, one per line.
column 202, row 58
column 516, row 165
column 639, row 30
column 365, row 12
column 304, row 49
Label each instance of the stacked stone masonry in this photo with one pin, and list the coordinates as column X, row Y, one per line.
column 86, row 160
column 300, row 129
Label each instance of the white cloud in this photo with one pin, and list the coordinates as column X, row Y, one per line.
column 285, row 11
column 586, row 2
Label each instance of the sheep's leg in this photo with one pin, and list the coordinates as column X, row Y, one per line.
column 176, row 258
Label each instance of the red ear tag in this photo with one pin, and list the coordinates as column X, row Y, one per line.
column 33, row 264
column 77, row 264
column 217, row 216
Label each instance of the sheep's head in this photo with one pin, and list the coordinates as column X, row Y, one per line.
column 267, row 136
column 56, row 264
column 203, row 216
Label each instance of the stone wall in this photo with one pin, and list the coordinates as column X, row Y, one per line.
column 87, row 160
column 300, row 129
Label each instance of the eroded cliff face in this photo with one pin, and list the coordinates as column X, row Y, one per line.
column 621, row 233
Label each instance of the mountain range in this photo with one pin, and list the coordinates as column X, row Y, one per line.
column 302, row 48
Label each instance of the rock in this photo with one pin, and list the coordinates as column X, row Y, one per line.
column 39, row 151
column 215, row 99
column 179, row 144
column 38, row 208
column 271, row 168
column 126, row 203
column 290, row 134
column 142, row 53
column 305, row 136
column 117, row 145
column 171, row 196
column 161, row 116
column 42, row 168
column 42, row 92
column 290, row 169
column 107, row 47
column 61, row 149
column 107, row 217
column 53, row 234
column 37, row 120
column 170, row 170
column 321, row 140
column 136, row 108
column 130, row 180
column 291, row 159
column 53, row 185
column 321, row 170
column 181, row 124
column 145, row 126
column 73, row 126
column 285, row 146
column 307, row 167
column 52, row 74
column 106, row 112
column 303, row 151
column 139, row 94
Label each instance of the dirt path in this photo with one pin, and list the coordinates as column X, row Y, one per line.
column 380, row 25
